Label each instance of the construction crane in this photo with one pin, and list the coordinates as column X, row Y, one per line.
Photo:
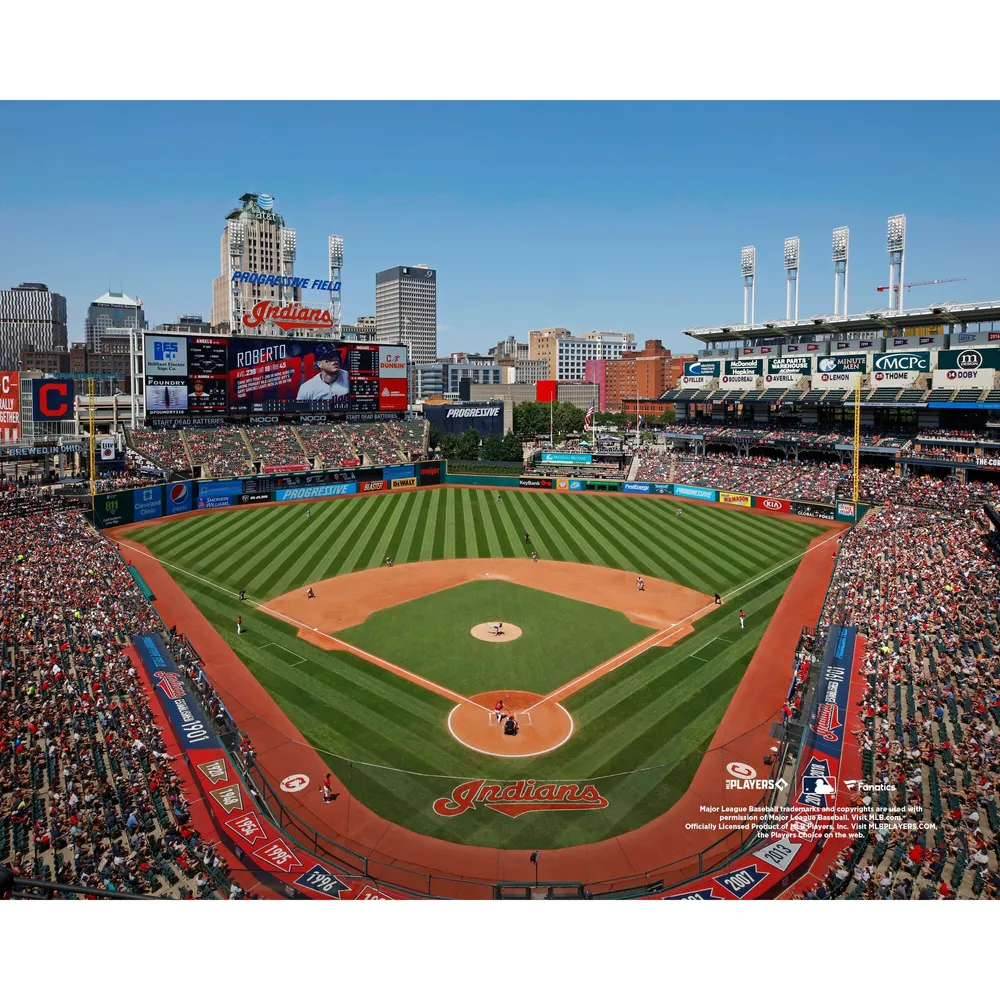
column 914, row 284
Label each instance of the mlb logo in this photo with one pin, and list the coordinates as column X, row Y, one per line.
column 164, row 350
column 819, row 784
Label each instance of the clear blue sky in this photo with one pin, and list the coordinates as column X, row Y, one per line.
column 591, row 216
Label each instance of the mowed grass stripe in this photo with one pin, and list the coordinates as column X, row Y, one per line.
column 456, row 545
column 703, row 567
column 418, row 532
column 550, row 542
column 569, row 540
column 404, row 509
column 298, row 552
column 487, row 500
column 369, row 550
column 475, row 527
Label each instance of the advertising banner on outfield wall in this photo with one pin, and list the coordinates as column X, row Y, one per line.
column 637, row 487
column 180, row 497
column 570, row 484
column 391, row 472
column 813, row 510
column 536, row 484
column 147, row 503
column 377, row 486
column 312, row 492
column 429, row 473
column 111, row 509
column 735, row 499
column 773, row 503
column 220, row 488
column 695, row 492
column 398, row 484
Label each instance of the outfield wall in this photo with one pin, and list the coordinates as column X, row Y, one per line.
column 147, row 503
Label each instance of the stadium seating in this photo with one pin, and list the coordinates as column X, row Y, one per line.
column 275, row 445
column 163, row 449
column 222, row 450
column 921, row 586
column 87, row 793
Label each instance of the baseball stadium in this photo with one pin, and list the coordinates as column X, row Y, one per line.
column 752, row 652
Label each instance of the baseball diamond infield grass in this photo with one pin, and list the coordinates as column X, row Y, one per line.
column 640, row 731
column 561, row 638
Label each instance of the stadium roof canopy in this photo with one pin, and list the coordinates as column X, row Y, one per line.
column 936, row 314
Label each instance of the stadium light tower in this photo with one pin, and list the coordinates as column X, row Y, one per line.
column 748, row 265
column 336, row 264
column 286, row 237
column 237, row 246
column 896, row 243
column 841, row 251
column 792, row 275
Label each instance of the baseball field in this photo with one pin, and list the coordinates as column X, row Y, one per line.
column 615, row 689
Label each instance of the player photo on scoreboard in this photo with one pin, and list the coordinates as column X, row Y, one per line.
column 325, row 376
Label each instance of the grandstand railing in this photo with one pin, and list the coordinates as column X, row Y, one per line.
column 29, row 888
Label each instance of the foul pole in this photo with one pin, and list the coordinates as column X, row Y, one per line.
column 857, row 439
column 93, row 477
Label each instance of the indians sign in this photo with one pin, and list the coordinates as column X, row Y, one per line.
column 517, row 797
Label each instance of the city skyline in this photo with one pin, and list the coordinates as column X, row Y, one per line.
column 622, row 216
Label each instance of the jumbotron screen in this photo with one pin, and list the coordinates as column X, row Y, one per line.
column 310, row 376
column 247, row 375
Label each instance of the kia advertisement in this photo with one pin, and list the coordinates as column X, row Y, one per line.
column 773, row 504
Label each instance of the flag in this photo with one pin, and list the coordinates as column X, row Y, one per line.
column 586, row 419
column 640, row 421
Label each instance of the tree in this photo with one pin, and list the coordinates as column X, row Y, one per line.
column 448, row 444
column 531, row 420
column 494, row 449
column 467, row 446
column 512, row 450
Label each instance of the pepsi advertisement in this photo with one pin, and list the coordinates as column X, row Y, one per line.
column 180, row 497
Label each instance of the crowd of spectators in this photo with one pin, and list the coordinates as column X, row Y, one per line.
column 762, row 435
column 88, row 795
column 922, row 586
column 163, row 448
column 808, row 480
column 221, row 451
column 276, row 445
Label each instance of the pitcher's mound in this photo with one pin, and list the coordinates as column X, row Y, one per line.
column 488, row 632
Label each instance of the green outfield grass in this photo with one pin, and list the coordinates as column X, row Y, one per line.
column 640, row 731
column 561, row 638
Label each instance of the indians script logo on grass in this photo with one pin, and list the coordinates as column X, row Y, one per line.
column 519, row 797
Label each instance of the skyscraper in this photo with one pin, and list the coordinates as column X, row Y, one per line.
column 257, row 241
column 406, row 310
column 30, row 316
column 114, row 309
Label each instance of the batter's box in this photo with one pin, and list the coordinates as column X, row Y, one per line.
column 523, row 719
column 295, row 656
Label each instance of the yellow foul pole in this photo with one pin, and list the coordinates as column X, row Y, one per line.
column 857, row 438
column 93, row 469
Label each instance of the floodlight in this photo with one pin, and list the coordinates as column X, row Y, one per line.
column 336, row 251
column 288, row 244
column 841, row 243
column 237, row 237
column 748, row 257
column 791, row 253
column 897, row 233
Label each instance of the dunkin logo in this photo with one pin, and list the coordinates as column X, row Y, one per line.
column 517, row 797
